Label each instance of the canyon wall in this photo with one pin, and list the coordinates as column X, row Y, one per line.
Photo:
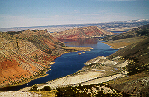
column 25, row 55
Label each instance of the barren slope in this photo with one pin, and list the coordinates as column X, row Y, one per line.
column 84, row 32
column 25, row 55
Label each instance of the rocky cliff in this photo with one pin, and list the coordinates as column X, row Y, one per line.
column 84, row 32
column 25, row 55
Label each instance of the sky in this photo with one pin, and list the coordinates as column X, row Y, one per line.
column 27, row 13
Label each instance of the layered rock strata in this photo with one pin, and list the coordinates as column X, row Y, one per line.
column 25, row 55
column 84, row 32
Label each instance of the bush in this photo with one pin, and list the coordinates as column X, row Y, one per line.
column 46, row 88
column 34, row 88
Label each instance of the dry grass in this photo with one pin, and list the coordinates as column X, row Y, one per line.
column 129, row 83
column 116, row 44
column 51, row 93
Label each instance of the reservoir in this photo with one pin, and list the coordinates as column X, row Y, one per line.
column 70, row 63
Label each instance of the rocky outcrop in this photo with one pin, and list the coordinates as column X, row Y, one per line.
column 25, row 55
column 84, row 32
column 133, row 61
column 135, row 32
column 137, row 54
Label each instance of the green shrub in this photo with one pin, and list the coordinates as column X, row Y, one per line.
column 46, row 88
column 34, row 88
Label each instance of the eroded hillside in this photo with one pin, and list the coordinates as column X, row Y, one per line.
column 84, row 32
column 26, row 55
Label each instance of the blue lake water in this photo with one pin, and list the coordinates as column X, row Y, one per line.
column 69, row 63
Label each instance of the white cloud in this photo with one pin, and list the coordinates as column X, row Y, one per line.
column 7, row 21
column 76, row 11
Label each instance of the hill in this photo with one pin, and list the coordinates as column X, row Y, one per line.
column 108, row 26
column 135, row 32
column 84, row 32
column 26, row 55
column 138, row 54
column 133, row 59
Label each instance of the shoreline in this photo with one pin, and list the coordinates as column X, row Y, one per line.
column 86, row 76
column 24, row 82
column 122, row 43
column 69, row 80
column 71, row 49
column 113, row 46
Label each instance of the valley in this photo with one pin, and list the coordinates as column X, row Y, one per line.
column 124, row 72
column 27, row 55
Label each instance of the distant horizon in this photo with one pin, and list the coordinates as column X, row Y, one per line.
column 70, row 24
column 27, row 13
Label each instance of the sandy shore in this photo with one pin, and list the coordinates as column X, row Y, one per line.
column 51, row 63
column 72, row 80
column 88, row 75
column 91, row 77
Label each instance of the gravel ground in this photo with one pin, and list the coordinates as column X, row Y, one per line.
column 18, row 94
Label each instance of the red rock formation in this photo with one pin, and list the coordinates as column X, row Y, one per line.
column 24, row 55
column 11, row 71
column 84, row 32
